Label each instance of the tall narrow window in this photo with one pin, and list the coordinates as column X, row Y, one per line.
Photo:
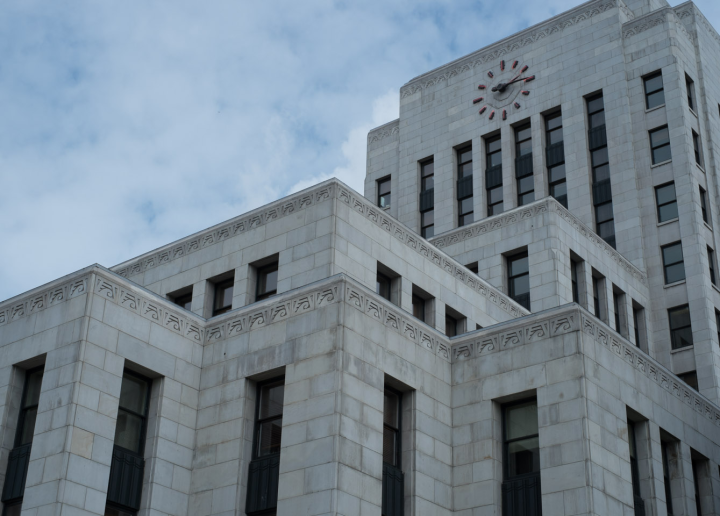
column 690, row 87
column 639, row 323
column 393, row 492
column 602, row 192
column 690, row 378
column 519, row 279
column 704, row 205
column 524, row 165
column 639, row 503
column 493, row 176
column 419, row 307
column 672, row 256
column 382, row 285
column 128, row 464
column 596, row 296
column 465, row 186
column 696, row 148
column 665, row 445
column 384, row 193
column 19, row 457
column 427, row 199
column 660, row 145
column 711, row 265
column 654, row 93
column 555, row 157
column 223, row 296
column 667, row 208
column 574, row 265
column 264, row 470
column 618, row 298
column 267, row 279
column 697, row 468
column 680, row 327
column 451, row 326
column 521, row 459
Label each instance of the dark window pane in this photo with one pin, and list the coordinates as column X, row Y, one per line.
column 494, row 159
column 601, row 173
column 674, row 273
column 493, row 145
column 682, row 338
column 270, row 436
column 595, row 104
column 668, row 212
column 223, row 296
column 555, row 136
column 428, row 168
column 655, row 99
column 521, row 420
column 428, row 183
column 665, row 194
column 418, row 307
column 128, row 431
column 428, row 218
column 467, row 219
column 653, row 83
column 28, row 426
column 661, row 154
column 495, row 209
column 465, row 170
column 385, row 200
column 184, row 301
column 660, row 137
column 523, row 457
column 110, row 511
column 526, row 184
column 672, row 254
column 428, row 232
column 268, row 280
column 133, row 394
column 599, row 157
column 526, row 198
column 519, row 266
column 524, row 148
column 466, row 205
column 523, row 134
column 389, row 446
column 558, row 189
column 520, row 285
column 604, row 212
column 557, row 173
column 391, row 407
column 554, row 122
column 496, row 195
column 606, row 229
column 382, row 286
column 271, row 399
column 32, row 390
column 597, row 119
column 384, row 187
column 465, row 155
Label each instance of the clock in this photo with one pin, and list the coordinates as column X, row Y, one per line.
column 504, row 89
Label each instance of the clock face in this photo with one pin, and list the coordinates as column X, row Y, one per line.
column 506, row 86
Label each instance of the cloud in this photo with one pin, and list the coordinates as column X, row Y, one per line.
column 127, row 125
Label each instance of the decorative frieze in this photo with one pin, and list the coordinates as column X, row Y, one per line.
column 42, row 300
column 384, row 131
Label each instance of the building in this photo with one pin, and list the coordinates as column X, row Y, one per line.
column 518, row 317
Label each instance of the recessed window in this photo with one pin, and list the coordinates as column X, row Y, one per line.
column 223, row 297
column 666, row 452
column 667, row 208
column 384, row 194
column 29, row 407
column 598, row 283
column 574, row 266
column 690, row 87
column 520, row 439
column 473, row 267
column 638, row 323
column 493, row 176
column 387, row 283
column 418, row 305
column 717, row 324
column 704, row 206
column 423, row 306
column 182, row 297
column 672, row 256
column 690, row 379
column 602, row 191
column 455, row 322
column 654, row 93
column 267, row 280
column 660, row 145
column 382, row 286
column 524, row 165
column 555, row 155
column 465, row 186
column 711, row 264
column 634, row 470
column 427, row 199
column 392, row 414
column 680, row 327
column 696, row 148
column 519, row 279
column 268, row 433
column 619, row 309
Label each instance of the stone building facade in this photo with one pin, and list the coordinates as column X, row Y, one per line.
column 518, row 317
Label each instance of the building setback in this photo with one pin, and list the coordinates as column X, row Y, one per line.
column 518, row 317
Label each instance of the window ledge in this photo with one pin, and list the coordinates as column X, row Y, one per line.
column 715, row 287
column 661, row 163
column 702, row 169
column 386, row 208
column 693, row 112
column 668, row 222
column 655, row 108
column 670, row 285
column 678, row 350
column 708, row 225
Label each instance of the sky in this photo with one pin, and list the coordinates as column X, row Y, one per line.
column 127, row 125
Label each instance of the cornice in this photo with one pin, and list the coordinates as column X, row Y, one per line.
column 221, row 232
column 654, row 19
column 384, row 131
column 569, row 319
column 509, row 45
column 425, row 249
column 546, row 205
column 690, row 10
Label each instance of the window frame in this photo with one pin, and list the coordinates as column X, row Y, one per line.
column 465, row 149
column 378, row 284
column 704, row 205
column 647, row 93
column 674, row 330
column 658, row 205
column 697, row 148
column 654, row 148
column 145, row 418
column 711, row 265
column 22, row 415
column 263, row 271
column 522, row 255
column 506, row 441
column 397, row 431
column 519, row 180
column 488, row 160
column 258, row 422
column 690, row 87
column 381, row 195
column 664, row 445
column 425, row 229
column 666, row 265
column 222, row 284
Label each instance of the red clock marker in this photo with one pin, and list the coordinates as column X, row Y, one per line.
column 492, row 115
column 504, row 115
column 502, row 65
column 479, row 99
column 483, row 110
column 517, row 105
column 524, row 69
column 525, row 92
column 531, row 78
column 514, row 65
column 481, row 87
column 491, row 75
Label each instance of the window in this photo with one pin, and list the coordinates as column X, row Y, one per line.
column 690, row 86
column 665, row 445
column 387, row 283
column 125, row 485
column 690, row 379
column 182, row 297
column 574, row 265
column 711, row 265
column 666, row 202
column 223, row 297
column 393, row 492
column 697, row 467
column 493, row 176
column 418, row 304
column 704, row 205
column 519, row 279
column 384, row 194
column 455, row 322
column 465, row 186
column 638, row 323
column 524, row 165
column 673, row 263
column 451, row 326
column 555, row 154
column 596, row 296
column 632, row 438
column 717, row 324
column 382, row 286
column 267, row 279
column 427, row 199
column 264, row 469
column 654, row 94
column 423, row 306
column 618, row 306
column 29, row 406
column 696, row 148
column 602, row 192
column 473, row 267
column 522, row 454
column 660, row 145
column 680, row 327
